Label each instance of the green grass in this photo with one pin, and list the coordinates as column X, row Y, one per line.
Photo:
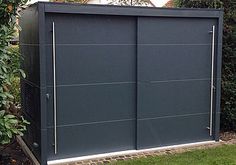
column 223, row 155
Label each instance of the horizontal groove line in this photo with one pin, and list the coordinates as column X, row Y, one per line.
column 95, row 44
column 92, row 84
column 175, row 44
column 90, row 123
column 173, row 116
column 87, row 84
column 24, row 44
column 79, row 44
column 118, row 83
column 123, row 120
column 183, row 80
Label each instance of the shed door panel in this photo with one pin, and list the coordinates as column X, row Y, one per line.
column 174, row 71
column 96, row 84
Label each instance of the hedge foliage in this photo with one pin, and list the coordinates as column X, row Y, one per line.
column 228, row 100
column 11, row 123
column 112, row 2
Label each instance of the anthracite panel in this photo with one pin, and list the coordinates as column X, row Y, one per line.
column 96, row 59
column 173, row 98
column 174, row 71
column 33, row 136
column 94, row 103
column 172, row 130
column 87, row 139
column 174, row 62
column 96, row 82
column 91, row 29
column 30, row 64
column 29, row 24
column 31, row 101
column 29, row 44
column 30, row 86
column 93, row 64
column 167, row 46
column 169, row 31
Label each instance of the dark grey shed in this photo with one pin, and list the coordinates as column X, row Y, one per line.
column 106, row 78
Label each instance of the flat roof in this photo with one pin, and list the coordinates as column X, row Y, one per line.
column 76, row 8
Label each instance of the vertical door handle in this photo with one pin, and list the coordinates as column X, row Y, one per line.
column 54, row 86
column 212, row 78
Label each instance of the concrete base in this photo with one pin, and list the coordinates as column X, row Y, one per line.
column 128, row 152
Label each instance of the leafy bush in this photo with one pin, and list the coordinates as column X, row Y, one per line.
column 10, row 124
column 228, row 100
column 198, row 3
column 71, row 1
column 15, row 77
column 130, row 2
column 112, row 2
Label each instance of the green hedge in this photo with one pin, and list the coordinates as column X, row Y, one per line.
column 228, row 100
column 11, row 123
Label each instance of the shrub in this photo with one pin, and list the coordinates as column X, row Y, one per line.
column 15, row 77
column 112, row 2
column 228, row 100
column 10, row 124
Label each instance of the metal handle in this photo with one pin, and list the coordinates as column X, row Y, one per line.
column 54, row 86
column 212, row 78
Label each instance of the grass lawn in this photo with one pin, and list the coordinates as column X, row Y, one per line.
column 223, row 155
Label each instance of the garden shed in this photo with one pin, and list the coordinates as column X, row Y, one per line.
column 103, row 79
